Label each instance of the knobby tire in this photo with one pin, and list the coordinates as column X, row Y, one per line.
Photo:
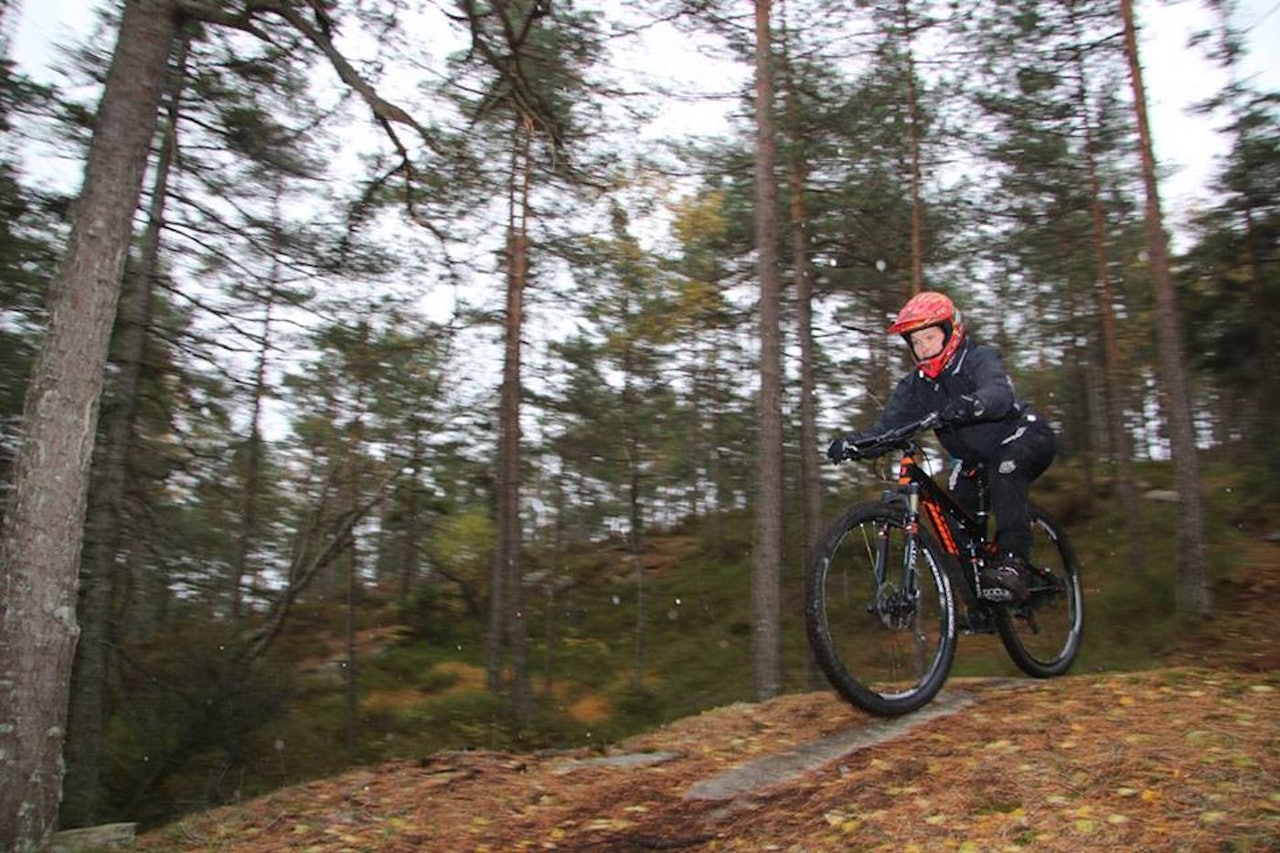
column 884, row 649
column 1043, row 634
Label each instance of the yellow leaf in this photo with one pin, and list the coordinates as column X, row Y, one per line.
column 1150, row 796
column 1117, row 819
column 1085, row 826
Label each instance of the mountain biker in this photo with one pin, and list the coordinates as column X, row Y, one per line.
column 980, row 422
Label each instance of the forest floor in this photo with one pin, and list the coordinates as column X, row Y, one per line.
column 1183, row 757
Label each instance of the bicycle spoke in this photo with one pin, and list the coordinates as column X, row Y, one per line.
column 885, row 648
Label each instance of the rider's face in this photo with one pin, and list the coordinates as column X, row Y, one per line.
column 927, row 342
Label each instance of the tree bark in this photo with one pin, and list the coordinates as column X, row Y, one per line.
column 913, row 144
column 1194, row 596
column 798, row 224
column 767, row 554
column 43, row 530
column 1113, row 364
column 506, row 591
column 87, row 711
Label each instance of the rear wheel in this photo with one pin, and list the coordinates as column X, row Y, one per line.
column 1043, row 633
column 881, row 620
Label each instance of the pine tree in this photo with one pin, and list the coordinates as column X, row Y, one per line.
column 42, row 527
column 1194, row 594
column 766, row 629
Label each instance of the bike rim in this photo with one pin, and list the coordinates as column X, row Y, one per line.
column 886, row 639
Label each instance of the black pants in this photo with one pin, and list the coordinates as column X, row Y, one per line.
column 1022, row 457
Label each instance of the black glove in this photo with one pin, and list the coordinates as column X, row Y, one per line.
column 961, row 410
column 844, row 447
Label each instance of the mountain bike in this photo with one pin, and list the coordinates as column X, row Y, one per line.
column 886, row 596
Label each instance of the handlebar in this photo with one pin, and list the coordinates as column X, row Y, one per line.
column 869, row 447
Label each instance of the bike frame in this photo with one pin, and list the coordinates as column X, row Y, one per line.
column 924, row 497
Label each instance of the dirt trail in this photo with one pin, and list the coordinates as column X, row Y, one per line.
column 1180, row 758
column 1175, row 759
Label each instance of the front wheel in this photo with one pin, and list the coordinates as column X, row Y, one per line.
column 1043, row 633
column 879, row 613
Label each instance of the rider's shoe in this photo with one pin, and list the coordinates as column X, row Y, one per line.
column 1006, row 580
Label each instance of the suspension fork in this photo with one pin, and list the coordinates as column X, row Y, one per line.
column 911, row 527
column 908, row 487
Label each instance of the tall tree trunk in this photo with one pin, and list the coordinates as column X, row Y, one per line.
column 351, row 692
column 1113, row 364
column 351, row 490
column 88, row 708
column 767, row 555
column 1194, row 595
column 247, row 543
column 913, row 146
column 506, row 607
column 635, row 513
column 43, row 529
column 798, row 224
column 634, row 545
column 251, row 499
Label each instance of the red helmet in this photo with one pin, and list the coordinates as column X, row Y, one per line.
column 931, row 309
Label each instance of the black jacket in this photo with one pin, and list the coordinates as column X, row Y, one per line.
column 975, row 371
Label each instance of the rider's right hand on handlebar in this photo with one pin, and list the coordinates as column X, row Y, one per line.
column 845, row 447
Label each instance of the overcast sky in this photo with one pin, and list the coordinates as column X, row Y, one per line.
column 1175, row 76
